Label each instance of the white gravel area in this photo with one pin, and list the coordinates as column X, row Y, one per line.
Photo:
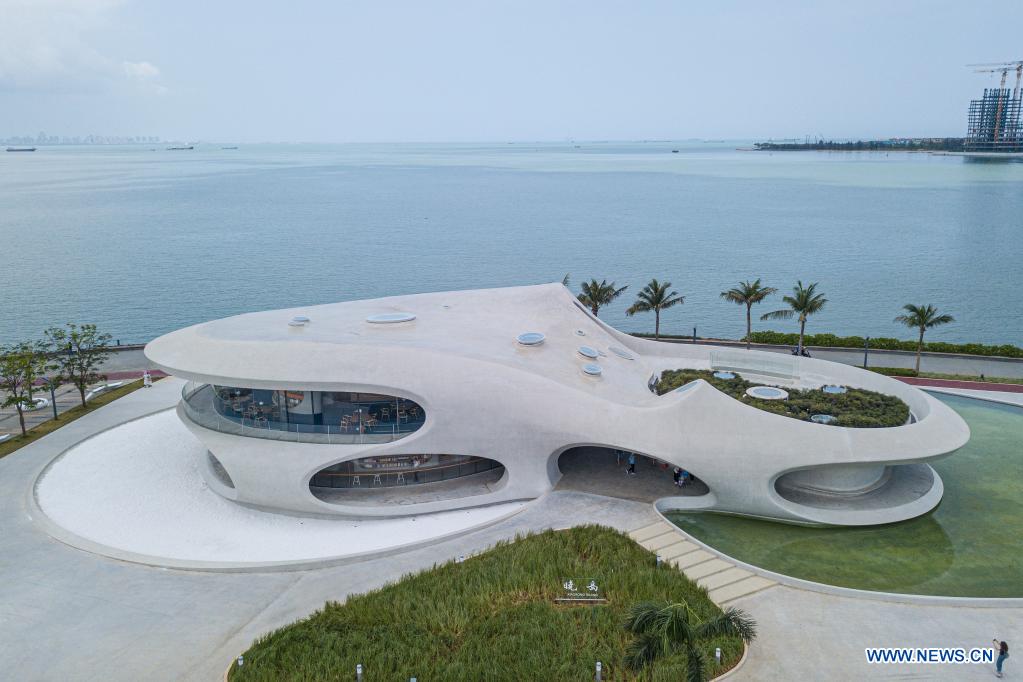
column 138, row 488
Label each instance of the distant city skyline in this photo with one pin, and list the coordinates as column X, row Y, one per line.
column 455, row 70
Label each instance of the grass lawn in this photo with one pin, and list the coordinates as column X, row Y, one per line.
column 492, row 617
column 74, row 413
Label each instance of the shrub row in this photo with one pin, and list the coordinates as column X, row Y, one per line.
column 894, row 371
column 885, row 343
column 857, row 407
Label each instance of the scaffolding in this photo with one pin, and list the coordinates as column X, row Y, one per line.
column 994, row 122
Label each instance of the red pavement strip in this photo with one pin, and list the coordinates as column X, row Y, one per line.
column 954, row 383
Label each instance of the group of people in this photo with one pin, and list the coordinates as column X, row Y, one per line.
column 682, row 477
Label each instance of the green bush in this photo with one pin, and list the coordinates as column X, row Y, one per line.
column 857, row 407
column 894, row 371
column 884, row 343
column 492, row 617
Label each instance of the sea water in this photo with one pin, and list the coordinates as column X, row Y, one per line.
column 142, row 240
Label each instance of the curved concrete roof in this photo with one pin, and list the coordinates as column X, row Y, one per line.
column 486, row 394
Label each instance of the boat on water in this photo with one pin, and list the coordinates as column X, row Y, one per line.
column 229, row 147
column 21, row 149
column 175, row 149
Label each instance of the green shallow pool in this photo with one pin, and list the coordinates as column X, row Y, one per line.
column 970, row 546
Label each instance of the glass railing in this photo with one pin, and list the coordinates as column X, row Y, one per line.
column 766, row 364
column 205, row 407
column 362, row 480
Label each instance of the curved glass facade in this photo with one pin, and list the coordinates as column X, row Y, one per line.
column 302, row 416
column 398, row 470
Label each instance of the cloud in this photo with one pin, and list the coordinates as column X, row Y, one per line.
column 140, row 70
column 46, row 47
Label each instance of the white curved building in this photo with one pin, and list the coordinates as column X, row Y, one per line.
column 429, row 402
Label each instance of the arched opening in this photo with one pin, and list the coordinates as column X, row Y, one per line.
column 406, row 479
column 615, row 472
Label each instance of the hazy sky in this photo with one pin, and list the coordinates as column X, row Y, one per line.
column 493, row 70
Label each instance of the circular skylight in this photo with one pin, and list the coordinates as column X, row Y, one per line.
column 724, row 375
column 622, row 353
column 390, row 318
column 296, row 323
column 767, row 393
column 592, row 369
column 834, row 389
column 530, row 338
column 588, row 352
column 300, row 318
column 823, row 419
column 580, row 332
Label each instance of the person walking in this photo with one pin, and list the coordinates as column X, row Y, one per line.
column 676, row 474
column 1003, row 653
column 632, row 464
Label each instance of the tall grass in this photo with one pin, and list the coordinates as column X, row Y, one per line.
column 491, row 617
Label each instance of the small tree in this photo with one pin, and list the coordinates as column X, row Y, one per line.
column 804, row 302
column 15, row 368
column 663, row 629
column 655, row 296
column 595, row 295
column 922, row 317
column 78, row 352
column 36, row 362
column 748, row 293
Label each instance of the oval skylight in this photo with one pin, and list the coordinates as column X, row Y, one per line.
column 300, row 318
column 622, row 353
column 580, row 332
column 767, row 393
column 724, row 375
column 588, row 352
column 836, row 390
column 390, row 318
column 592, row 369
column 530, row 338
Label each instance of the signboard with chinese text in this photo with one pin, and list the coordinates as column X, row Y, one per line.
column 580, row 591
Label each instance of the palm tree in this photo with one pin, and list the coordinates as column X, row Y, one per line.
column 662, row 629
column 922, row 317
column 804, row 301
column 596, row 295
column 748, row 293
column 655, row 296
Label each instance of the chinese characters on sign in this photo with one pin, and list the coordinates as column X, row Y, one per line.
column 574, row 590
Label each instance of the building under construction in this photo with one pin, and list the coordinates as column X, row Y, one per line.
column 994, row 122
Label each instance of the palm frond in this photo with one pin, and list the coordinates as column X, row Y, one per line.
column 732, row 622
column 643, row 650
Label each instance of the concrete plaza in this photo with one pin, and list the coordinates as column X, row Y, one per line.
column 66, row 614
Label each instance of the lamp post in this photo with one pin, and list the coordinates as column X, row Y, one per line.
column 866, row 349
column 694, row 334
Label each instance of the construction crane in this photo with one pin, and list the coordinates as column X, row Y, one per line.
column 1003, row 68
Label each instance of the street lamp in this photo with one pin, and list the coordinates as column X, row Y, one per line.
column 866, row 349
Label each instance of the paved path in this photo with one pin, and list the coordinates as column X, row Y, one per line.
column 724, row 581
